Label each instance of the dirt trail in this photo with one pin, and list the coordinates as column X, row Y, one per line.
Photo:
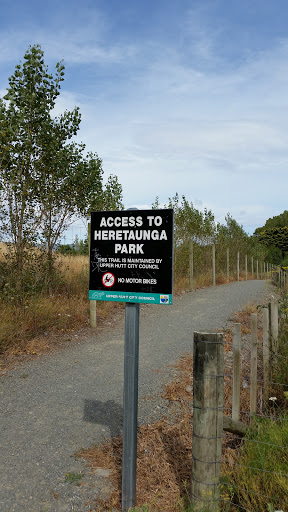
column 55, row 405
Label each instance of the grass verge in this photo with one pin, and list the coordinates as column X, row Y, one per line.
column 35, row 324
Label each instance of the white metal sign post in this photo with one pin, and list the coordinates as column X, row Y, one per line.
column 131, row 260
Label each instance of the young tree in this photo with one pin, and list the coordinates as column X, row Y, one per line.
column 191, row 223
column 232, row 235
column 45, row 177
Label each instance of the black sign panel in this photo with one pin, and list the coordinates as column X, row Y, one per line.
column 131, row 256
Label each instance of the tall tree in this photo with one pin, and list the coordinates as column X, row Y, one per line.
column 24, row 119
column 45, row 177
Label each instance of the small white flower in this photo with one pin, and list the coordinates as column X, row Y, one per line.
column 273, row 398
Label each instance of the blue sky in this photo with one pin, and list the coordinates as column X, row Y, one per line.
column 187, row 96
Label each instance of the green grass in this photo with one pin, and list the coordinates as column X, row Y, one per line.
column 260, row 476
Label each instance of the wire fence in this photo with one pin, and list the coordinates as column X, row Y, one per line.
column 219, row 262
column 215, row 263
column 249, row 389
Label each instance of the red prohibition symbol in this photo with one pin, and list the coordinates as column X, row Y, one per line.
column 108, row 279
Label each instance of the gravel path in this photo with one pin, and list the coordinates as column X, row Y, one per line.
column 55, row 405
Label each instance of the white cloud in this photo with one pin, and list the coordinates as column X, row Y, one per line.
column 67, row 101
column 78, row 45
column 213, row 137
column 182, row 117
column 77, row 50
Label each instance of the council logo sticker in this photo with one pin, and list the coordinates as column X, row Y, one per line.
column 96, row 295
column 108, row 279
column 164, row 299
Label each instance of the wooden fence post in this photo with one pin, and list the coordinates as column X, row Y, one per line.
column 266, row 354
column 238, row 265
column 253, row 372
column 273, row 323
column 246, row 267
column 228, row 273
column 236, row 372
column 213, row 265
column 92, row 303
column 208, row 394
column 191, row 269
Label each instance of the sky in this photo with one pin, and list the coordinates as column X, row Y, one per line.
column 188, row 96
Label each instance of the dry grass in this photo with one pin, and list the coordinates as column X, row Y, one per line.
column 35, row 325
column 181, row 284
column 163, row 465
column 203, row 281
column 43, row 324
column 250, row 308
column 75, row 272
column 221, row 278
column 3, row 248
column 19, row 325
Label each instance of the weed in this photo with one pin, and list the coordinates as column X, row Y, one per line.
column 250, row 308
column 74, row 478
